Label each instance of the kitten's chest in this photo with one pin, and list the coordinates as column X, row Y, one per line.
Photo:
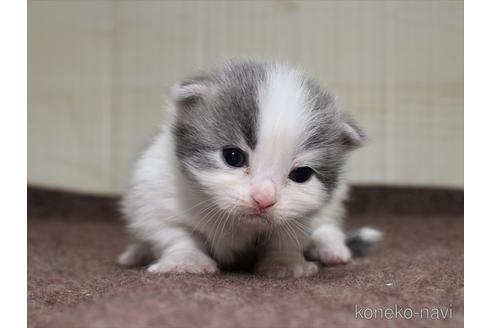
column 228, row 246
column 240, row 255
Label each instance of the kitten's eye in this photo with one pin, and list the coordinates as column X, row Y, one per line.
column 234, row 157
column 301, row 174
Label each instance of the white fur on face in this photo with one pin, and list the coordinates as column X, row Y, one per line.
column 283, row 120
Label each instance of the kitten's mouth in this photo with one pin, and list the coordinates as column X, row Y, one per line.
column 257, row 217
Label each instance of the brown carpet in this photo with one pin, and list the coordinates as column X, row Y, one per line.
column 73, row 280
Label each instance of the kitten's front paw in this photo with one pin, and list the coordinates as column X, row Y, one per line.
column 287, row 269
column 332, row 255
column 184, row 263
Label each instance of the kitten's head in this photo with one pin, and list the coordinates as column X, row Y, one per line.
column 265, row 142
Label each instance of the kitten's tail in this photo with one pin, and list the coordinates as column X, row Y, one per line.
column 359, row 241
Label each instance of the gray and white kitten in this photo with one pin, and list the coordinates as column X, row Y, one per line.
column 251, row 161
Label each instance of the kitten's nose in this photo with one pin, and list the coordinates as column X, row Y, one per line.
column 263, row 193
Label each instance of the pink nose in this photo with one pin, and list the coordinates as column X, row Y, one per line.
column 263, row 193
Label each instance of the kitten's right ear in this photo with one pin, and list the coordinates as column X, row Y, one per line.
column 352, row 135
column 188, row 93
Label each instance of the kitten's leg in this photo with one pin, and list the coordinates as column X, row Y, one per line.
column 135, row 254
column 283, row 257
column 328, row 246
column 181, row 253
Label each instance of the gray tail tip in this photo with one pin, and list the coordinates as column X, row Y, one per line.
column 359, row 241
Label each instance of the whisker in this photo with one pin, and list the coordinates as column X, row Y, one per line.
column 220, row 219
column 303, row 228
column 292, row 233
column 225, row 223
column 210, row 209
column 285, row 232
column 187, row 211
column 233, row 223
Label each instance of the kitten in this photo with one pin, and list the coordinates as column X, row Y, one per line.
column 251, row 160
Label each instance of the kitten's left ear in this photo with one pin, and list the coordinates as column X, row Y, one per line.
column 352, row 135
column 186, row 94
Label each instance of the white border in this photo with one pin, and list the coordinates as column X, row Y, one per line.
column 13, row 161
column 478, row 164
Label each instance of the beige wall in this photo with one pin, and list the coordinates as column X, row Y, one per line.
column 98, row 72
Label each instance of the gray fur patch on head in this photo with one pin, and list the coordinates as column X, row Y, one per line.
column 219, row 108
column 216, row 109
column 331, row 133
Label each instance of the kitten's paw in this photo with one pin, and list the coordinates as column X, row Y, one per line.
column 328, row 246
column 334, row 255
column 288, row 269
column 184, row 263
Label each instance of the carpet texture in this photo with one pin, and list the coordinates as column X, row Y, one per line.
column 73, row 281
